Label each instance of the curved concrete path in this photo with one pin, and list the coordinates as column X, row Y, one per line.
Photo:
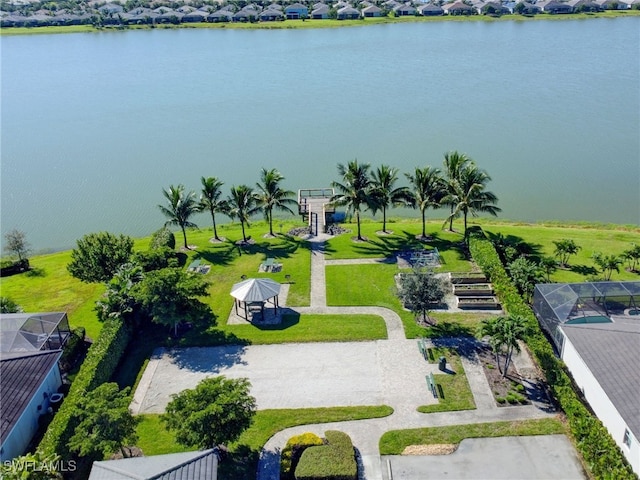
column 366, row 433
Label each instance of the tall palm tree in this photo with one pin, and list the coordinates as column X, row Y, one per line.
column 471, row 196
column 353, row 192
column 182, row 206
column 384, row 194
column 427, row 190
column 211, row 200
column 513, row 328
column 271, row 195
column 242, row 204
column 454, row 162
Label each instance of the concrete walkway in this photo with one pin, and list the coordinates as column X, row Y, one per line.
column 366, row 433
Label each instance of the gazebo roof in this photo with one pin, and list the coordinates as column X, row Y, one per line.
column 255, row 290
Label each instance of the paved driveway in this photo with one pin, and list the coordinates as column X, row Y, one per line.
column 505, row 458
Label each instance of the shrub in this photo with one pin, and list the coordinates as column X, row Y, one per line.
column 334, row 461
column 500, row 400
column 293, row 450
column 72, row 348
column 599, row 451
column 156, row 259
column 102, row 359
column 163, row 238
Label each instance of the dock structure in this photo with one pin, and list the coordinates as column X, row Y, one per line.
column 314, row 206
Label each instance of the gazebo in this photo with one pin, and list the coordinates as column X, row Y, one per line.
column 253, row 293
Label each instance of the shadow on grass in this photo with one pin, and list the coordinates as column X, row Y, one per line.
column 222, row 254
column 240, row 464
column 289, row 319
column 283, row 249
column 444, row 329
column 583, row 270
column 35, row 272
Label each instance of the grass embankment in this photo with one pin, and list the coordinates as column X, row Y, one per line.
column 395, row 441
column 327, row 23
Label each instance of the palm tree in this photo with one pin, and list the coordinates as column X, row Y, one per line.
column 513, row 328
column 471, row 196
column 242, row 204
column 454, row 162
column 182, row 206
column 384, row 194
column 490, row 328
column 427, row 190
column 210, row 199
column 353, row 192
column 271, row 196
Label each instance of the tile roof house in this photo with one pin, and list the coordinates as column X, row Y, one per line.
column 200, row 465
column 348, row 13
column 429, row 9
column 295, row 11
column 28, row 383
column 371, row 11
column 321, row 11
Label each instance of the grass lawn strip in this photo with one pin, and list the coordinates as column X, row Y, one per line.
column 394, row 442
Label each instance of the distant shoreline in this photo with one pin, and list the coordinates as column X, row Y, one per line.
column 325, row 23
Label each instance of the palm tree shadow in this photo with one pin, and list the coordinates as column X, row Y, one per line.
column 583, row 269
column 221, row 254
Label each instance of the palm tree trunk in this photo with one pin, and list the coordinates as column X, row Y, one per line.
column 465, row 225
column 270, row 215
column 451, row 219
column 184, row 234
column 244, row 237
column 424, row 221
column 358, row 221
column 215, row 231
column 384, row 219
column 507, row 361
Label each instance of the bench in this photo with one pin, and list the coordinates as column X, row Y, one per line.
column 267, row 265
column 424, row 351
column 431, row 382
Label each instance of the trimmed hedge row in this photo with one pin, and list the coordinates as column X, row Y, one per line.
column 334, row 461
column 101, row 361
column 292, row 451
column 602, row 455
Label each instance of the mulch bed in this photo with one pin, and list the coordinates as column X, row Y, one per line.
column 500, row 386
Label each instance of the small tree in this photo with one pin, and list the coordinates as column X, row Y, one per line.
column 607, row 263
column 212, row 201
column 99, row 255
column 180, row 208
column 525, row 274
column 633, row 256
column 420, row 291
column 118, row 301
column 564, row 249
column 7, row 305
column 216, row 412
column 548, row 265
column 504, row 336
column 242, row 204
column 163, row 238
column 16, row 244
column 170, row 296
column 106, row 424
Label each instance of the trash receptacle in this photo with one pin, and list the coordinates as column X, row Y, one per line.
column 442, row 363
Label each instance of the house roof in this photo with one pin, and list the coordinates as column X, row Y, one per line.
column 610, row 352
column 20, row 379
column 200, row 465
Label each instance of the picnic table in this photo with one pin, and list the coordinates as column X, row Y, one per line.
column 193, row 266
column 267, row 265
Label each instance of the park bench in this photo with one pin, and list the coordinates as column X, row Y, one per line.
column 431, row 382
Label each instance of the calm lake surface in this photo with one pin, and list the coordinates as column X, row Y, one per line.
column 95, row 125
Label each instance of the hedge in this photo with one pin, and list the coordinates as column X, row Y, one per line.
column 602, row 455
column 101, row 361
column 334, row 461
column 292, row 451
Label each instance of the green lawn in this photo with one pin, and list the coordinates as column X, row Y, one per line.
column 395, row 441
column 454, row 392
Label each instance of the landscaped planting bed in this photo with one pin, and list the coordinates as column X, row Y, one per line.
column 490, row 303
column 473, row 290
column 468, row 277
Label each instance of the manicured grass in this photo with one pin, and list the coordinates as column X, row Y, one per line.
column 454, row 392
column 49, row 287
column 395, row 441
column 591, row 239
column 154, row 439
column 403, row 238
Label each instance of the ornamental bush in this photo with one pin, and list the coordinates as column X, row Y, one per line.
column 163, row 238
column 334, row 461
column 101, row 361
column 293, row 450
column 600, row 452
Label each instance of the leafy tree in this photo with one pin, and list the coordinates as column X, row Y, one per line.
column 163, row 238
column 270, row 195
column 353, row 192
column 454, row 163
column 156, row 259
column 472, row 196
column 106, row 425
column 16, row 244
column 607, row 263
column 427, row 191
column 633, row 256
column 211, row 200
column 170, row 296
column 181, row 207
column 385, row 194
column 548, row 265
column 216, row 412
column 525, row 274
column 31, row 466
column 7, row 305
column 420, row 291
column 98, row 256
column 564, row 249
column 505, row 333
column 242, row 204
column 118, row 301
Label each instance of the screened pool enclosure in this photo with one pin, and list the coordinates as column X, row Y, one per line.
column 557, row 304
column 30, row 332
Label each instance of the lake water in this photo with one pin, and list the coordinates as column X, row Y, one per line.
column 94, row 126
